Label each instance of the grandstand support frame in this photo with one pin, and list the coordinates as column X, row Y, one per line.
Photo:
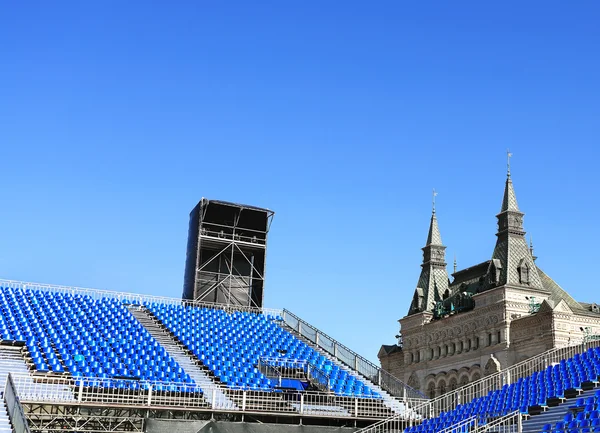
column 50, row 418
column 56, row 417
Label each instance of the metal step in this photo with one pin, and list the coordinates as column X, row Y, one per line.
column 212, row 393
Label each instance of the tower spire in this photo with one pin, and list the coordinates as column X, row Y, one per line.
column 508, row 155
column 433, row 281
column 433, row 236
column 512, row 262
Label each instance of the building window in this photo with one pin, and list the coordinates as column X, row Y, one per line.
column 453, row 348
column 431, row 391
column 489, row 339
column 499, row 337
column 468, row 345
column 442, row 387
column 523, row 272
column 418, row 357
column 476, row 343
column 460, row 347
column 430, row 353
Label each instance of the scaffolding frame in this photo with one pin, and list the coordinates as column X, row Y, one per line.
column 232, row 242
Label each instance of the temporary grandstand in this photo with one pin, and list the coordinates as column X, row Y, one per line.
column 80, row 360
column 91, row 360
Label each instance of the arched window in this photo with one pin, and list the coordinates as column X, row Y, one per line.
column 453, row 384
column 431, row 390
column 442, row 387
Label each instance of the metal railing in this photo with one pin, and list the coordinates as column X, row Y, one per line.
column 461, row 427
column 14, row 408
column 134, row 298
column 481, row 388
column 372, row 372
column 103, row 392
column 285, row 368
column 511, row 423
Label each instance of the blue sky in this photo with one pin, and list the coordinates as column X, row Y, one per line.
column 117, row 117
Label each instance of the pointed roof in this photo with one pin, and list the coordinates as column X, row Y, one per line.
column 509, row 201
column 433, row 281
column 512, row 262
column 434, row 237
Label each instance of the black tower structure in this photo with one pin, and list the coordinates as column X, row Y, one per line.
column 226, row 252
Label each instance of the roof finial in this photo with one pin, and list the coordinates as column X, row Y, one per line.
column 455, row 263
column 531, row 245
column 508, row 155
column 433, row 201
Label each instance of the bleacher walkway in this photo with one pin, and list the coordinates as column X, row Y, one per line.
column 174, row 349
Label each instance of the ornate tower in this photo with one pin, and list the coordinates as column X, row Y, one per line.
column 512, row 262
column 433, row 282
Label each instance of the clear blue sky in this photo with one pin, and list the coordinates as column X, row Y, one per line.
column 117, row 117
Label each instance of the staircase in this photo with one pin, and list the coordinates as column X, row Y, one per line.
column 11, row 361
column 552, row 415
column 212, row 393
column 393, row 404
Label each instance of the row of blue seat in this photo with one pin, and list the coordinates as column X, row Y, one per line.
column 532, row 391
column 85, row 337
column 224, row 342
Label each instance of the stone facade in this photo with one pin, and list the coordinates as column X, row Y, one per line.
column 488, row 317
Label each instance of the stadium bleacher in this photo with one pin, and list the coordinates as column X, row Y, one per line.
column 231, row 345
column 567, row 378
column 81, row 336
column 85, row 337
column 97, row 341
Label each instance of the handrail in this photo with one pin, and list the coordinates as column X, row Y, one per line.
column 510, row 423
column 377, row 375
column 14, row 408
column 461, row 426
column 133, row 297
column 480, row 388
column 286, row 368
column 102, row 392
